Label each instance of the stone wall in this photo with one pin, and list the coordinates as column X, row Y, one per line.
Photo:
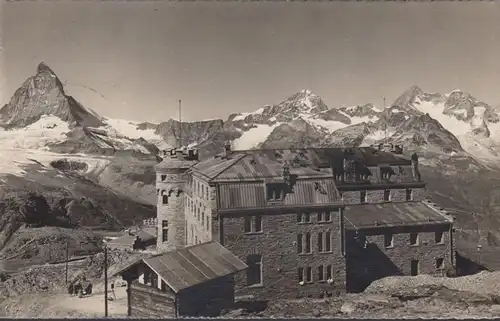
column 277, row 244
column 376, row 261
column 173, row 212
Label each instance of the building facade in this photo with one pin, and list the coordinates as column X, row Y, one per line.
column 281, row 211
column 394, row 239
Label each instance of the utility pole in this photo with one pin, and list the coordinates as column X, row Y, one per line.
column 67, row 258
column 180, row 124
column 105, row 281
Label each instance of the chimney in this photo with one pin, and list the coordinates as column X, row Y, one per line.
column 285, row 171
column 397, row 149
column 227, row 149
column 193, row 154
column 387, row 148
column 414, row 167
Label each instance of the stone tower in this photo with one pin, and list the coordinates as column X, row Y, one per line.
column 171, row 179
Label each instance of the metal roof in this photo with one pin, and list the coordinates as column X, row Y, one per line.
column 331, row 157
column 248, row 166
column 193, row 265
column 177, row 162
column 392, row 214
column 253, row 194
column 210, row 168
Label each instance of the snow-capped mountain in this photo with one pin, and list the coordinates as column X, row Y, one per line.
column 453, row 122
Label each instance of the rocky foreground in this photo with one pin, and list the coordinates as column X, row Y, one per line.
column 40, row 291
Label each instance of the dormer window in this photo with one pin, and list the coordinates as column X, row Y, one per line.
column 275, row 191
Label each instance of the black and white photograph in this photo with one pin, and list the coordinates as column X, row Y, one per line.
column 249, row 159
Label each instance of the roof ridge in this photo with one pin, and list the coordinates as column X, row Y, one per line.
column 236, row 160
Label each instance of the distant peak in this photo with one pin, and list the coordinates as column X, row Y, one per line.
column 455, row 91
column 306, row 91
column 415, row 89
column 44, row 68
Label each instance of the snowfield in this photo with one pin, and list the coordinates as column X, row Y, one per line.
column 28, row 145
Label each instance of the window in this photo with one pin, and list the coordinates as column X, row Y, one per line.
column 258, row 223
column 328, row 272
column 409, row 194
column 309, row 274
column 387, row 195
column 413, row 238
column 164, row 197
column 202, row 190
column 203, row 220
column 248, row 224
column 253, row 224
column 324, row 217
column 324, row 242
column 299, row 244
column 321, row 273
column 300, row 274
column 275, row 192
column 388, row 240
column 362, row 196
column 440, row 263
column 198, row 216
column 438, row 236
column 208, row 223
column 163, row 177
column 164, row 230
column 206, row 194
column 308, row 243
column 157, row 191
column 254, row 271
column 304, row 218
column 328, row 243
column 414, row 267
column 196, row 239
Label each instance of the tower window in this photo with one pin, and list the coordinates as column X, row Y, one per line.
column 164, row 230
column 164, row 197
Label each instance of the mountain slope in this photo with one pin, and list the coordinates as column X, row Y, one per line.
column 43, row 94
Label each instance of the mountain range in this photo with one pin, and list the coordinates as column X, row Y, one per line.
column 94, row 172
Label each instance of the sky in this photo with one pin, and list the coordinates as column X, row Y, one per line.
column 135, row 60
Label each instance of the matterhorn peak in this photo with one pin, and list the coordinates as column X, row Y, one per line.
column 44, row 68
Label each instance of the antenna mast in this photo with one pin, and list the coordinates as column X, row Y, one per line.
column 385, row 133
column 180, row 124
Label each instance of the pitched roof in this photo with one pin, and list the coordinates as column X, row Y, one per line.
column 253, row 194
column 249, row 166
column 210, row 168
column 194, row 265
column 331, row 157
column 392, row 214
